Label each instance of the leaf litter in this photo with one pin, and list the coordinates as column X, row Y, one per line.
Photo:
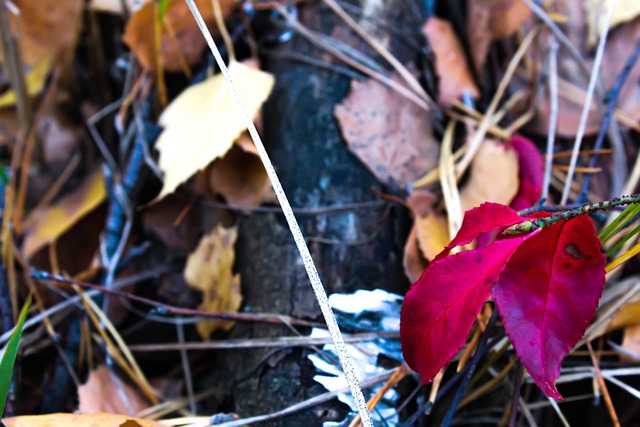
column 202, row 137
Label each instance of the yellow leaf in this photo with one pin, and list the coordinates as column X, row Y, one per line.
column 433, row 234
column 34, row 80
column 202, row 123
column 493, row 178
column 623, row 11
column 429, row 228
column 627, row 315
column 61, row 216
column 210, row 270
column 78, row 420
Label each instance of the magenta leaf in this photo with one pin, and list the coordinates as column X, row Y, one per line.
column 486, row 217
column 441, row 306
column 548, row 293
column 530, row 173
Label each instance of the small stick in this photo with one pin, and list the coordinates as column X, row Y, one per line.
column 603, row 387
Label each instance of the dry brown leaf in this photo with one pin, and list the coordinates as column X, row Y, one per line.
column 493, row 177
column 387, row 132
column 240, row 178
column 61, row 216
column 455, row 79
column 204, row 120
column 140, row 38
column 97, row 396
column 507, row 16
column 78, row 420
column 47, row 28
column 413, row 261
column 210, row 270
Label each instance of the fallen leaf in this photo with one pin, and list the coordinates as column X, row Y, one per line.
column 507, row 16
column 240, row 178
column 34, row 80
column 47, row 28
column 78, row 420
column 204, row 120
column 140, row 38
column 210, row 270
column 454, row 77
column 97, row 396
column 413, row 262
column 62, row 215
column 431, row 229
column 623, row 11
column 493, row 176
column 631, row 342
column 548, row 293
column 388, row 133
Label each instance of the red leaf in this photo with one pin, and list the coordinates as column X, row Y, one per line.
column 486, row 217
column 530, row 172
column 441, row 306
column 548, row 293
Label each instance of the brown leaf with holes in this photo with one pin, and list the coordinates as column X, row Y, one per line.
column 210, row 270
column 96, row 395
column 139, row 33
column 455, row 79
column 387, row 132
column 79, row 420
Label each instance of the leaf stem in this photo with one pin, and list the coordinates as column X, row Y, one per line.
column 584, row 209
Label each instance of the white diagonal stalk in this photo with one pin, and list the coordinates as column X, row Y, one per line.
column 312, row 272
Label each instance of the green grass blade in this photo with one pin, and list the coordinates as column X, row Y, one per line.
column 9, row 355
column 164, row 5
column 617, row 224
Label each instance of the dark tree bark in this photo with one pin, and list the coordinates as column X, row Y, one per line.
column 358, row 248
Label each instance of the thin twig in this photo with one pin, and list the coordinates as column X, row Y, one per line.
column 603, row 387
column 553, row 115
column 294, row 227
column 169, row 309
column 612, row 99
column 587, row 103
